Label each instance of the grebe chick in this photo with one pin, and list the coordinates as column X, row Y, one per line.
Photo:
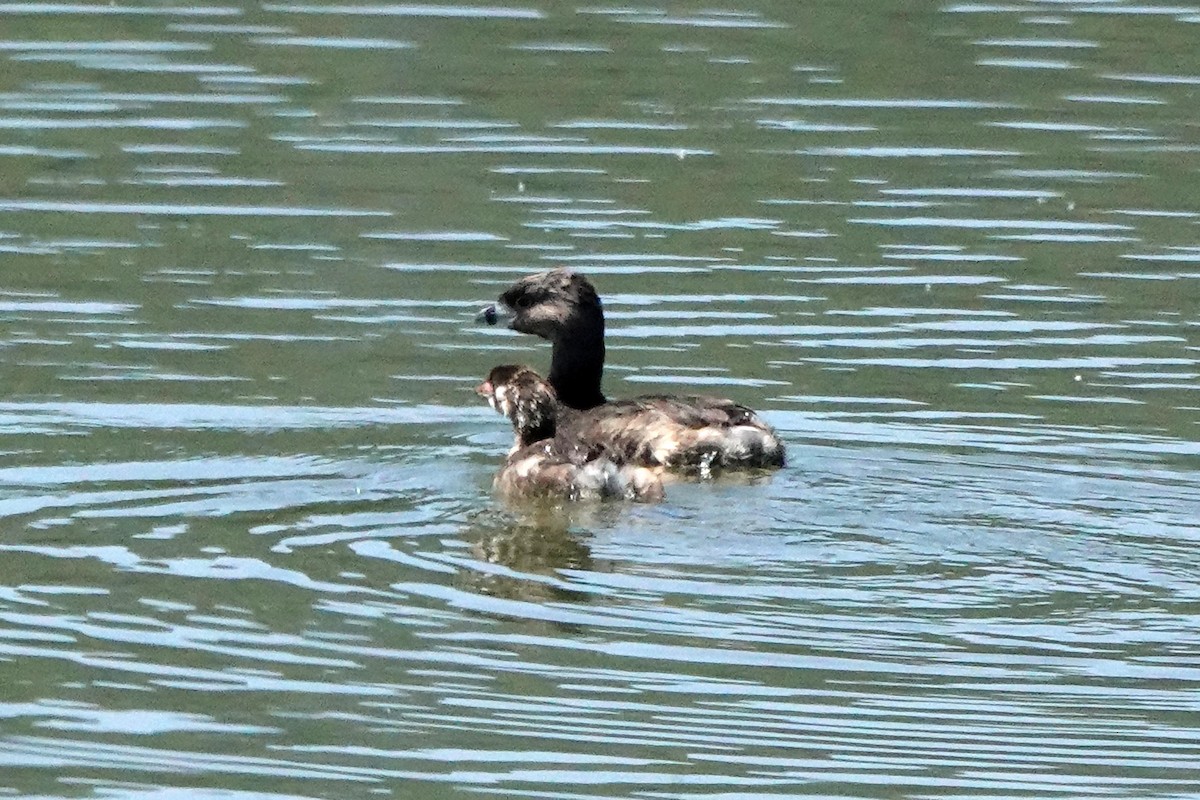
column 688, row 432
column 539, row 463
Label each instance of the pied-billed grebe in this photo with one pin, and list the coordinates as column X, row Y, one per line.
column 541, row 464
column 563, row 307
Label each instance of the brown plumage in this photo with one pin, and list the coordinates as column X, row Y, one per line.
column 688, row 432
column 542, row 464
column 529, row 402
column 694, row 434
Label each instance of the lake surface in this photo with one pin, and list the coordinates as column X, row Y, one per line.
column 951, row 250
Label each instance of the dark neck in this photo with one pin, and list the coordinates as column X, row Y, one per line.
column 577, row 365
column 542, row 428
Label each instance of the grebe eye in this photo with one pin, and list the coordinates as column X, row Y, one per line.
column 524, row 301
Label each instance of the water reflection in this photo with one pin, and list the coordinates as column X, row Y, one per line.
column 522, row 558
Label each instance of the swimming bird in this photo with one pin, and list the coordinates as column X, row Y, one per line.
column 541, row 464
column 689, row 432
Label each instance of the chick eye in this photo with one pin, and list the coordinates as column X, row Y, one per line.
column 524, row 301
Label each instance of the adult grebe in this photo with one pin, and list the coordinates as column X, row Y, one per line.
column 687, row 432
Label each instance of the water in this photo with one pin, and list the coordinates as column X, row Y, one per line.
column 250, row 546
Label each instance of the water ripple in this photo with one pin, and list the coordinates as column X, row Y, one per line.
column 251, row 546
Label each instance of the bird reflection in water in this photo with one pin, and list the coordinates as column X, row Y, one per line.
column 523, row 550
